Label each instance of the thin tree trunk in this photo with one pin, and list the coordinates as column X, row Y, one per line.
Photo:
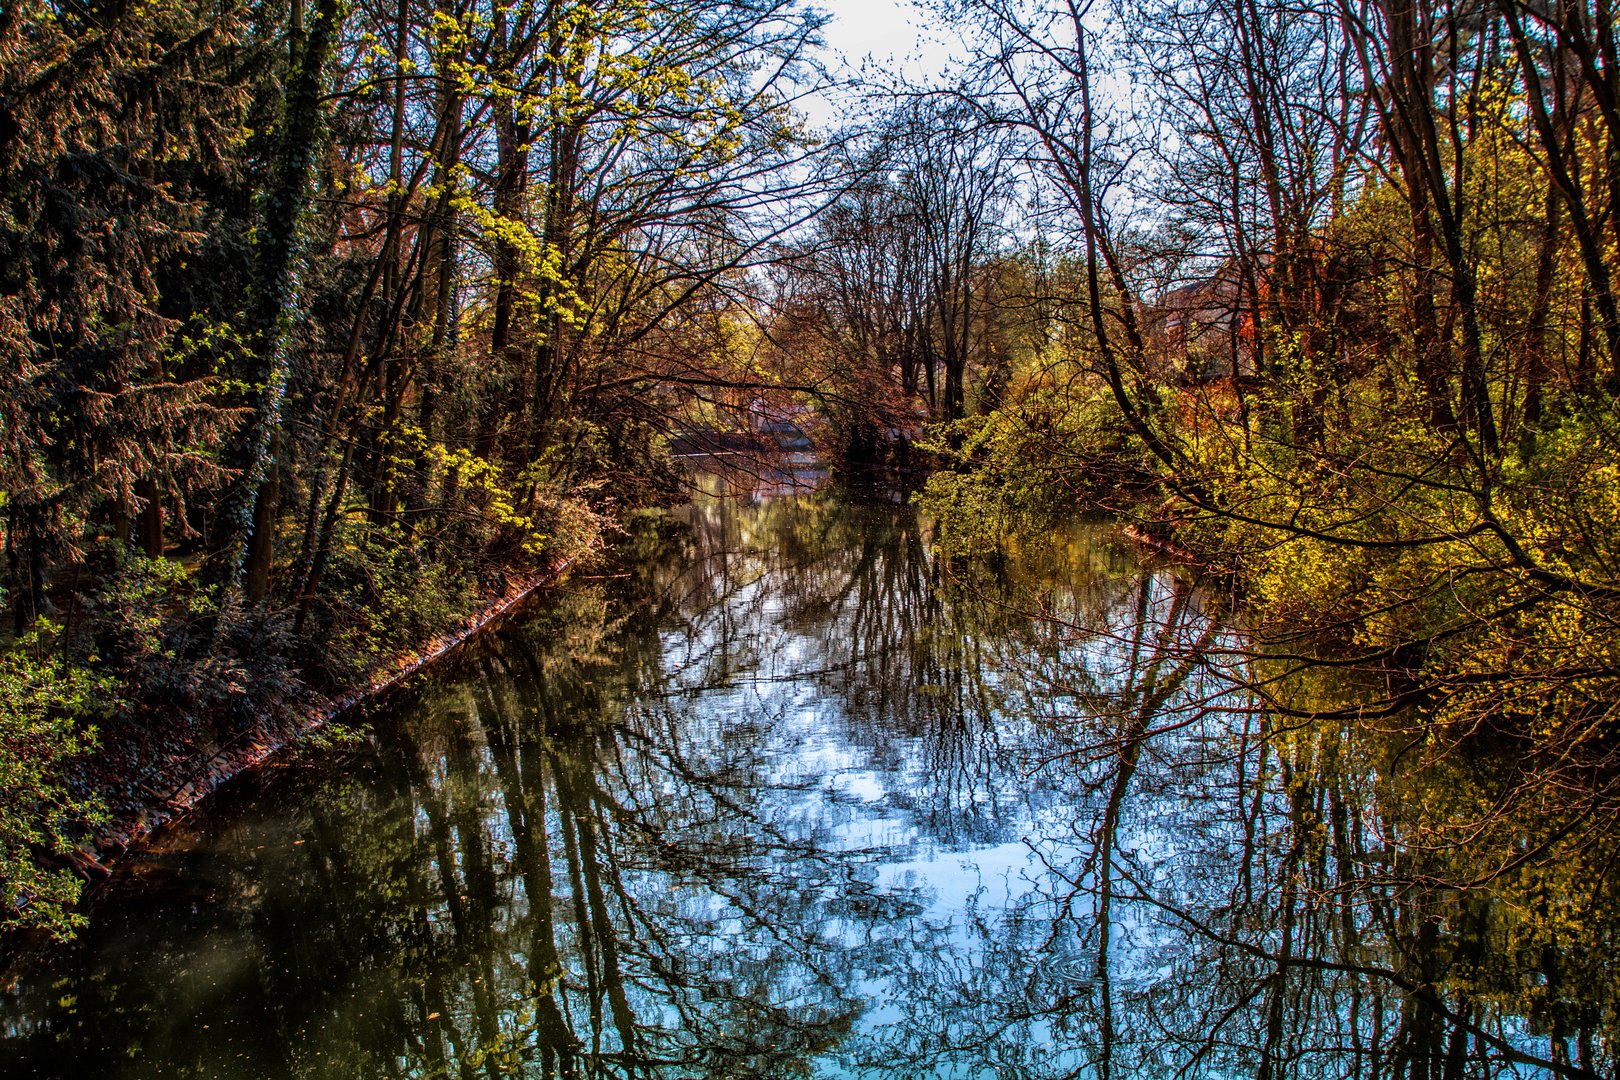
column 247, row 513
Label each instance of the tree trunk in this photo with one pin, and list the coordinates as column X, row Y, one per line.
column 246, row 515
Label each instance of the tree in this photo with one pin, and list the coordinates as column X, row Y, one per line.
column 112, row 122
column 897, row 284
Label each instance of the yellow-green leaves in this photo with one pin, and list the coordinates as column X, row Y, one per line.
column 46, row 704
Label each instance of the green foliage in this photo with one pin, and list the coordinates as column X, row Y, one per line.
column 388, row 600
column 46, row 704
column 1054, row 442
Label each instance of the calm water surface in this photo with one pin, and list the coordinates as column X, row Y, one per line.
column 789, row 797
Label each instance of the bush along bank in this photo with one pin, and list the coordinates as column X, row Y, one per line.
column 1373, row 538
column 142, row 692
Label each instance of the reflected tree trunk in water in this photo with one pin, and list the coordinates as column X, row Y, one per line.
column 1147, row 687
column 523, row 795
column 801, row 793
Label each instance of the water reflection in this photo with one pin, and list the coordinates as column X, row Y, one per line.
column 792, row 797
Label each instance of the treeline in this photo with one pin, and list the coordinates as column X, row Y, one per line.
column 322, row 322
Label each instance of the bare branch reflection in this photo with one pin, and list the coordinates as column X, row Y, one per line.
column 790, row 796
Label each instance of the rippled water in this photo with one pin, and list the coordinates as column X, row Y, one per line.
column 790, row 797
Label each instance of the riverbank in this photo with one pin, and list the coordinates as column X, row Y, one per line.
column 187, row 780
column 780, row 785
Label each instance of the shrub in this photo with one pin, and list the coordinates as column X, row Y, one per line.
column 45, row 705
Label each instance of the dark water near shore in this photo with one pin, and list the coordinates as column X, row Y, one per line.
column 790, row 797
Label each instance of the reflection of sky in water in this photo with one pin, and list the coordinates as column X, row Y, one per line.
column 803, row 803
column 881, row 792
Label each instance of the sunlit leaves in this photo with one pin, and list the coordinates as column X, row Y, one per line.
column 46, row 705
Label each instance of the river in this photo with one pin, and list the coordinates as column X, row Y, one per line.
column 789, row 795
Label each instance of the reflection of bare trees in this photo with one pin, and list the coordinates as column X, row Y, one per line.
column 1229, row 899
column 905, row 658
column 793, row 792
column 608, row 914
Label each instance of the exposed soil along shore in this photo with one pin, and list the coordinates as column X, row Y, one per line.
column 188, row 784
column 1167, row 546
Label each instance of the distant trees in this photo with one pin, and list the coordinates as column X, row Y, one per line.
column 898, row 288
